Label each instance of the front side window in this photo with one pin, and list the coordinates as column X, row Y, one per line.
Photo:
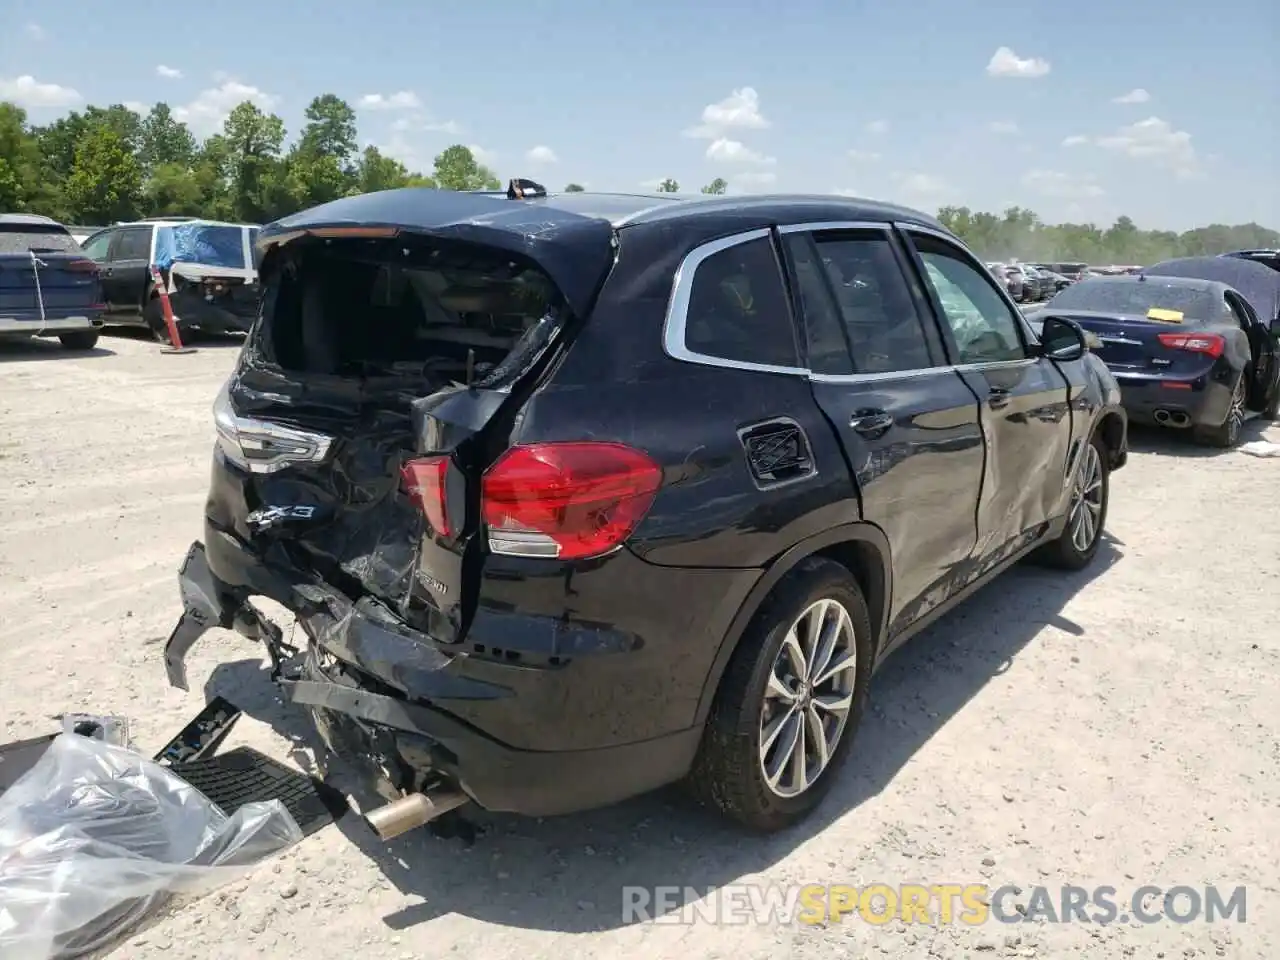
column 737, row 308
column 982, row 323
column 95, row 248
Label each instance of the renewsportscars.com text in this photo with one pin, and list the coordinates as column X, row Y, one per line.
column 935, row 904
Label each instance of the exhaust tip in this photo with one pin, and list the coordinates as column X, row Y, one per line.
column 412, row 811
column 1162, row 416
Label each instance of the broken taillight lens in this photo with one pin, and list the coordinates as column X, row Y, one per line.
column 568, row 501
column 423, row 480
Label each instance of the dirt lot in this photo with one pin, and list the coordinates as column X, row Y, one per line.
column 1117, row 727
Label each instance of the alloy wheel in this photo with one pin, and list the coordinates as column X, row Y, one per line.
column 1235, row 416
column 808, row 698
column 1085, row 517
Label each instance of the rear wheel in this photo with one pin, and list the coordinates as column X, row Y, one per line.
column 1227, row 434
column 79, row 340
column 790, row 701
column 1087, row 513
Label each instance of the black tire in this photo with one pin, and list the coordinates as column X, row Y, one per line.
column 1227, row 434
column 1064, row 553
column 728, row 773
column 79, row 340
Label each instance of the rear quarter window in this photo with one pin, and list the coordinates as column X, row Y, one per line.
column 737, row 308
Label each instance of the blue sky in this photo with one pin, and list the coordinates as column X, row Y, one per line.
column 1166, row 111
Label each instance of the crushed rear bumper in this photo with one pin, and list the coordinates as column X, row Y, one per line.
column 372, row 686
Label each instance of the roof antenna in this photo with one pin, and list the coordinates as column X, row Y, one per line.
column 471, row 365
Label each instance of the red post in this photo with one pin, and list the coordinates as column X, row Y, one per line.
column 169, row 321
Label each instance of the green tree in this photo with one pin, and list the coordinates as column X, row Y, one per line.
column 456, row 168
column 19, row 160
column 717, row 186
column 330, row 129
column 257, row 181
column 375, row 171
column 669, row 186
column 574, row 188
column 165, row 140
column 106, row 179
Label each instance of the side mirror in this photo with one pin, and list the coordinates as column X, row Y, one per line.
column 1062, row 339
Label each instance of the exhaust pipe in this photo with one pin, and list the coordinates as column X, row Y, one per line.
column 1162, row 417
column 412, row 811
column 1179, row 419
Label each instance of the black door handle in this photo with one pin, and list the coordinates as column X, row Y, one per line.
column 871, row 422
column 998, row 398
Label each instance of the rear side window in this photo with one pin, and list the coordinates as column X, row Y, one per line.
column 737, row 308
column 33, row 238
column 206, row 244
column 132, row 243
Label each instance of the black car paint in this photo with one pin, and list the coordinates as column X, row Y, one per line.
column 552, row 665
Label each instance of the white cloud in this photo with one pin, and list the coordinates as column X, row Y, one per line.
column 922, row 184
column 1002, row 126
column 1052, row 183
column 1005, row 63
column 758, row 178
column 418, row 123
column 485, row 157
column 863, row 156
column 137, row 106
column 402, row 100
column 27, row 91
column 35, row 31
column 542, row 154
column 734, row 151
column 209, row 110
column 169, row 73
column 1156, row 140
column 1137, row 95
column 877, row 127
column 738, row 111
column 1075, row 140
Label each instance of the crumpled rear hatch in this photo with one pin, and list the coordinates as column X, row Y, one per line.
column 383, row 379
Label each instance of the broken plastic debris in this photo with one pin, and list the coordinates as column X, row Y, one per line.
column 1260, row 448
column 94, row 838
column 112, row 730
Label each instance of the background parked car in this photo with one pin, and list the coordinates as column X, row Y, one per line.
column 1011, row 279
column 1270, row 258
column 1188, row 353
column 1035, row 285
column 48, row 287
column 208, row 267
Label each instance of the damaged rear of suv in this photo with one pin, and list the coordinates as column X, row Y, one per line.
column 566, row 499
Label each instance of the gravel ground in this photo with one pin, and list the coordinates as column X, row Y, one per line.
column 1109, row 728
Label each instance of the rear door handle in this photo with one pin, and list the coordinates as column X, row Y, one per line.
column 998, row 398
column 871, row 422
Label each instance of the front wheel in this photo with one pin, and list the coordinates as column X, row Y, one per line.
column 790, row 701
column 1086, row 514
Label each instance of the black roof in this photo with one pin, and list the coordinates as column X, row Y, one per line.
column 1172, row 280
column 1254, row 281
column 568, row 234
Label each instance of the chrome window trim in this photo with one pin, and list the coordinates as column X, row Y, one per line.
column 674, row 326
column 881, row 225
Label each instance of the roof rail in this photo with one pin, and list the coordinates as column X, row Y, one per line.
column 519, row 189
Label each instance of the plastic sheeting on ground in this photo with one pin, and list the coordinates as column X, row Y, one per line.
column 95, row 837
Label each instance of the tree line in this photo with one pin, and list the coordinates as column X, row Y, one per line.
column 106, row 164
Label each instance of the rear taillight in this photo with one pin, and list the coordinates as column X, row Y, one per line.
column 569, row 501
column 81, row 266
column 423, row 481
column 1210, row 344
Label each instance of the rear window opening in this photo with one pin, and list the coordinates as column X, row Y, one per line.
column 442, row 312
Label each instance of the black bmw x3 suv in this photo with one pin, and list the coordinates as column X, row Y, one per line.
column 575, row 496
